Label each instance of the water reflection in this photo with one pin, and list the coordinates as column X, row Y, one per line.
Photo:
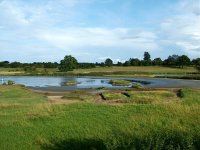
column 92, row 82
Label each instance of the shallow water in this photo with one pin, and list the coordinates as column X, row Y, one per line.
column 95, row 82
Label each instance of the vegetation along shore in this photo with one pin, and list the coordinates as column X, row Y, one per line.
column 101, row 119
column 173, row 67
column 133, row 117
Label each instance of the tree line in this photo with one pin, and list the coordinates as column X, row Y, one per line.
column 69, row 63
column 171, row 61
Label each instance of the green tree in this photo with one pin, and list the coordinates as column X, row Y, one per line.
column 127, row 63
column 157, row 62
column 147, row 58
column 15, row 64
column 5, row 64
column 196, row 62
column 134, row 62
column 108, row 62
column 171, row 60
column 68, row 63
column 183, row 61
column 119, row 63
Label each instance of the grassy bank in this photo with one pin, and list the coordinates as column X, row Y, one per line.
column 29, row 121
column 142, row 71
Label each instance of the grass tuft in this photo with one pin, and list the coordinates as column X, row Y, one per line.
column 120, row 82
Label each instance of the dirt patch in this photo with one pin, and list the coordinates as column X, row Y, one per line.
column 114, row 96
column 59, row 100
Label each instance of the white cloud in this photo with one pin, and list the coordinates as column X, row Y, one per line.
column 93, row 37
column 183, row 29
column 44, row 30
column 190, row 6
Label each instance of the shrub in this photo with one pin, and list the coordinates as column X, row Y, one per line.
column 120, row 82
column 10, row 82
column 180, row 93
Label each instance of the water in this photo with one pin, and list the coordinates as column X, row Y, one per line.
column 96, row 82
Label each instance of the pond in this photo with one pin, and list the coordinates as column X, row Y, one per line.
column 42, row 82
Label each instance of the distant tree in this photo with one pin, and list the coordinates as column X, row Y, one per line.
column 5, row 64
column 157, row 62
column 86, row 65
column 50, row 65
column 127, row 63
column 119, row 64
column 15, row 65
column 171, row 60
column 134, row 62
column 147, row 58
column 196, row 62
column 183, row 61
column 68, row 63
column 102, row 64
column 108, row 62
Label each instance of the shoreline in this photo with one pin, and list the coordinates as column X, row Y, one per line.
column 42, row 83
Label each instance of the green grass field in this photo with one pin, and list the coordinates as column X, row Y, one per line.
column 29, row 121
column 142, row 71
column 138, row 69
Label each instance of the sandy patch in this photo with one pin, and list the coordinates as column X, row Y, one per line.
column 59, row 100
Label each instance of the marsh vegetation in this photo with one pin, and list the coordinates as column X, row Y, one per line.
column 151, row 119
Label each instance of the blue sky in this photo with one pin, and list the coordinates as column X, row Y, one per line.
column 93, row 30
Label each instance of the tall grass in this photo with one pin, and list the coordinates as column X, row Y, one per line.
column 131, row 71
column 33, row 123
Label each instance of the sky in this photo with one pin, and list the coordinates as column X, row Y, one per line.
column 93, row 30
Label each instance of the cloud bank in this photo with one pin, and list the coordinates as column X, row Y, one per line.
column 47, row 30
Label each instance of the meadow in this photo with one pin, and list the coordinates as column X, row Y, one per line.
column 134, row 71
column 30, row 121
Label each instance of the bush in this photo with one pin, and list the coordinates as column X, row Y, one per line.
column 180, row 93
column 120, row 82
column 10, row 82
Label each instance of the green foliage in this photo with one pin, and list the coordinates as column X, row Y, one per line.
column 120, row 82
column 148, row 97
column 157, row 62
column 137, row 86
column 134, row 62
column 29, row 69
column 180, row 93
column 108, row 62
column 147, row 58
column 196, row 62
column 80, row 95
column 127, row 63
column 115, row 96
column 37, row 124
column 15, row 65
column 171, row 60
column 183, row 61
column 119, row 64
column 10, row 82
column 69, row 63
column 86, row 65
